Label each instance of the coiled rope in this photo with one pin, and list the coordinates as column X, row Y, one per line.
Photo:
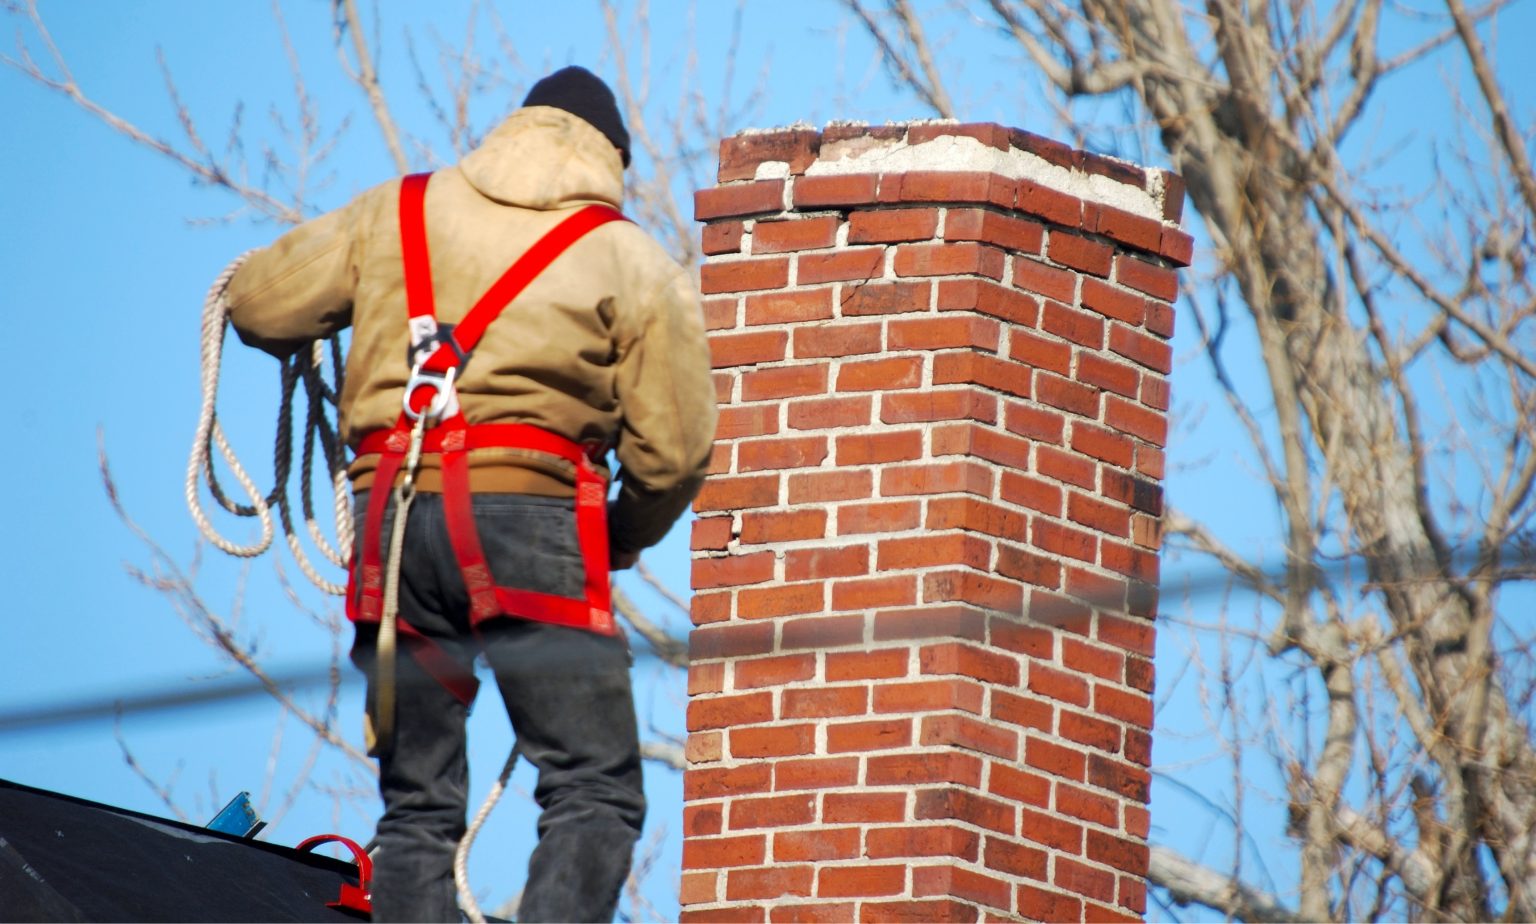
column 306, row 366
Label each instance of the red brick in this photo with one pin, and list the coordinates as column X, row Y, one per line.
column 1052, row 205
column 1022, row 565
column 750, row 915
column 737, row 422
column 837, row 340
column 1133, row 635
column 890, row 226
column 698, row 888
column 1160, row 319
column 1133, row 894
column 1136, row 420
column 710, row 607
column 1150, row 461
column 947, row 186
column 1020, row 786
column 889, row 517
column 931, row 550
column 789, row 307
column 823, row 413
column 1154, row 393
column 1112, row 302
column 1034, row 422
column 781, row 453
column 784, row 382
column 953, row 658
column 922, row 841
column 730, row 641
column 1139, row 493
column 743, row 275
column 1084, row 880
column 1102, row 444
column 1125, row 855
column 720, row 459
column 968, row 733
column 747, row 349
column 953, row 767
column 1132, row 707
column 1177, row 247
column 1151, row 352
column 1079, row 253
column 823, row 701
column 825, row 844
column 723, row 237
column 988, row 133
column 1061, row 393
column 1129, row 561
column 866, row 665
column 843, row 265
column 811, row 912
column 717, row 852
column 1054, row 759
column 936, row 478
column 969, row 367
column 725, row 386
column 823, row 632
column 1111, row 376
column 961, row 883
column 868, row 593
column 728, row 711
column 861, row 881
column 1038, row 352
column 1063, row 540
column 881, row 374
column 985, row 297
column 818, row 564
column 1065, row 466
column 782, row 526
column 872, row 298
column 815, row 773
column 1037, row 277
column 710, row 533
column 719, row 313
column 1008, row 856
column 1023, row 711
column 1041, row 905
column 1097, row 515
column 918, row 912
column 994, row 228
column 928, row 696
column 949, row 260
column 750, row 673
column 823, row 191
column 732, row 571
column 1140, row 674
column 973, row 514
column 772, row 741
column 879, row 448
column 1032, row 640
column 942, row 332
column 740, row 155
column 1087, row 806
column 981, row 443
column 1080, row 327
column 738, row 493
column 703, row 748
column 869, row 736
column 797, row 234
column 781, row 600
column 1031, row 492
column 978, row 589
column 863, row 807
column 1058, row 685
column 770, row 882
column 1051, row 831
column 820, row 487
column 1079, row 656
column 1132, row 230
column 932, row 622
column 1138, row 821
column 738, row 200
column 938, row 404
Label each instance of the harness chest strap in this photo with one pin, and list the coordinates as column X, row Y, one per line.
column 454, row 437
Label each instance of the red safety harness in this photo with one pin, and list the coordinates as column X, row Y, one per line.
column 438, row 353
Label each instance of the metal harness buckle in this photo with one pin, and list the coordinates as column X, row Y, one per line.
column 445, row 398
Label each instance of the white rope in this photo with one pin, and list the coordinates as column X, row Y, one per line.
column 305, row 367
column 467, row 903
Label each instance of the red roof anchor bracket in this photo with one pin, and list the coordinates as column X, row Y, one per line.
column 353, row 897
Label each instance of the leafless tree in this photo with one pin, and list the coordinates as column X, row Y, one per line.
column 1392, row 308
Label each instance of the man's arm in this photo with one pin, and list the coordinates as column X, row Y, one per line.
column 299, row 289
column 668, row 401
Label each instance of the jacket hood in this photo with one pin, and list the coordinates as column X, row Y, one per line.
column 545, row 158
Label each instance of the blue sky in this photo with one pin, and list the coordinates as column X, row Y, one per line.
column 107, row 255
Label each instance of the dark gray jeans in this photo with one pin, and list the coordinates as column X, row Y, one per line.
column 567, row 693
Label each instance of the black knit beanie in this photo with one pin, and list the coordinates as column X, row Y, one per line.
column 583, row 94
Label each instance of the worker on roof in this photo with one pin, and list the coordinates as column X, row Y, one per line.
column 508, row 544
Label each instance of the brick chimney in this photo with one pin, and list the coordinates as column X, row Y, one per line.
column 925, row 564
